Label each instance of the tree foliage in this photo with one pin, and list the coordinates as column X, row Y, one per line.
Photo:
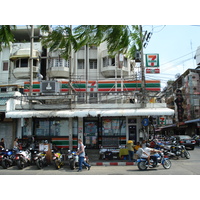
column 6, row 35
column 125, row 39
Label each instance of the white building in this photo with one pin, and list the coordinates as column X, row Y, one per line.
column 98, row 102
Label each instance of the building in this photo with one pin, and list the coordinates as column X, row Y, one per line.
column 184, row 97
column 98, row 99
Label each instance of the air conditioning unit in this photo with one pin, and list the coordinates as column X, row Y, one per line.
column 48, row 87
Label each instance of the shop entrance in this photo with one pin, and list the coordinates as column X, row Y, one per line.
column 91, row 132
column 132, row 130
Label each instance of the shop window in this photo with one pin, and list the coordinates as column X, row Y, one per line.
column 51, row 127
column 113, row 127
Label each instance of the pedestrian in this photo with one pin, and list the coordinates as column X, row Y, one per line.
column 2, row 145
column 81, row 154
column 130, row 147
column 16, row 144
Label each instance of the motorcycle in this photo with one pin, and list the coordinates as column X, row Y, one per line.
column 175, row 151
column 184, row 152
column 39, row 158
column 7, row 158
column 23, row 158
column 57, row 159
column 159, row 159
column 73, row 159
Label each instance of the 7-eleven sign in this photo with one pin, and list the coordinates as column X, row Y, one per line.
column 162, row 120
column 152, row 60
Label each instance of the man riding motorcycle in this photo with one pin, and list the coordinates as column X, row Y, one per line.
column 146, row 153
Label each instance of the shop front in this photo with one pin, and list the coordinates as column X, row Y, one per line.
column 98, row 128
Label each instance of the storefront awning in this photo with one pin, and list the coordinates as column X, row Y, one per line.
column 192, row 121
column 90, row 113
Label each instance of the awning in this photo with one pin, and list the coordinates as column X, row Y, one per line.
column 24, row 53
column 192, row 121
column 90, row 113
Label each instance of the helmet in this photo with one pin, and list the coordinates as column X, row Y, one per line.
column 147, row 145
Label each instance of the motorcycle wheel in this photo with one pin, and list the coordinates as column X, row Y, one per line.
column 5, row 164
column 142, row 165
column 72, row 164
column 39, row 164
column 187, row 154
column 20, row 164
column 167, row 164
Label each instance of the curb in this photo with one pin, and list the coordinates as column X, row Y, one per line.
column 111, row 163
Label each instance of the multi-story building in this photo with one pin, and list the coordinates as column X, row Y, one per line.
column 91, row 96
column 183, row 95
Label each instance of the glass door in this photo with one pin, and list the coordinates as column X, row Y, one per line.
column 91, row 133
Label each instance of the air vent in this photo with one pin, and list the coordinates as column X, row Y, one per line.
column 50, row 87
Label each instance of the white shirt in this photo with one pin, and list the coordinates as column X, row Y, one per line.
column 147, row 151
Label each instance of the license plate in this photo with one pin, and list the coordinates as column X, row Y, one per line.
column 187, row 141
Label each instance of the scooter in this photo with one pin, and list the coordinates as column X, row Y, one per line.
column 155, row 160
column 39, row 159
column 73, row 159
column 23, row 158
column 57, row 159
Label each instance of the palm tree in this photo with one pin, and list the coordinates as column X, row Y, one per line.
column 123, row 39
column 6, row 35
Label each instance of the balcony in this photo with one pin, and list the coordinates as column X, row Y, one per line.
column 58, row 72
column 24, row 72
column 113, row 71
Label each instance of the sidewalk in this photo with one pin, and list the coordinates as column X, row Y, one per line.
column 93, row 155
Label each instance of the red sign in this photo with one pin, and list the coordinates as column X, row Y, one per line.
column 152, row 71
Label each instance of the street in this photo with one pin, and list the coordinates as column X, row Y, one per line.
column 181, row 166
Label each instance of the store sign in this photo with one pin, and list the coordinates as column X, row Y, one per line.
column 152, row 71
column 162, row 120
column 152, row 60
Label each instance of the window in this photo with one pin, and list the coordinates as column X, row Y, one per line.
column 5, row 66
column 105, row 61
column 24, row 62
column 113, row 127
column 80, row 64
column 125, row 62
column 108, row 61
column 58, row 62
column 51, row 127
column 93, row 64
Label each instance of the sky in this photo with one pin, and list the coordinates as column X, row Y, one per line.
column 176, row 46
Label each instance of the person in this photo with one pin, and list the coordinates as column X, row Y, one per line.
column 16, row 144
column 130, row 147
column 147, row 154
column 2, row 145
column 81, row 154
column 144, row 143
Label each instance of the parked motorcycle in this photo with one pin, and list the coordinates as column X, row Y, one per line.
column 57, row 159
column 23, row 158
column 73, row 159
column 175, row 151
column 184, row 152
column 161, row 160
column 39, row 159
column 7, row 158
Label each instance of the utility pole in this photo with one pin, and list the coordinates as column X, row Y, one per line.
column 31, row 66
column 70, row 97
column 143, row 89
